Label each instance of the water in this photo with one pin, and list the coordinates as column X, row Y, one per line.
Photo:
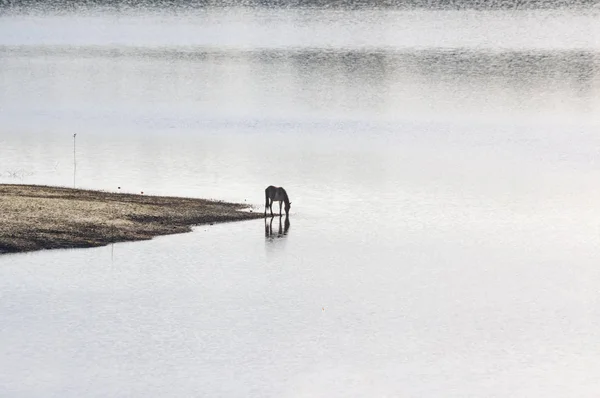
column 443, row 172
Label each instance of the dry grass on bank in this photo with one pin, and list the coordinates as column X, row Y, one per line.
column 41, row 217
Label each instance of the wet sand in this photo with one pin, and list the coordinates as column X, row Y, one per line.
column 36, row 217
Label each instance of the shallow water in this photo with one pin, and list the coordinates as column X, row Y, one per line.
column 444, row 232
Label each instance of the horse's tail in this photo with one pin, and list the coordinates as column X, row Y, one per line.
column 266, row 198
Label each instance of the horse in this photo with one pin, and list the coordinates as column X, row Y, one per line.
column 277, row 194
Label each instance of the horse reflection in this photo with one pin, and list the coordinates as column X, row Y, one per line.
column 283, row 229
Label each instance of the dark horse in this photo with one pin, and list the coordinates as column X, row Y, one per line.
column 277, row 194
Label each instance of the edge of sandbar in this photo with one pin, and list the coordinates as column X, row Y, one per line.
column 40, row 217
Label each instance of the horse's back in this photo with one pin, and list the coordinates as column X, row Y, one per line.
column 275, row 193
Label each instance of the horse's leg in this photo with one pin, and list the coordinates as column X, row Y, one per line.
column 271, row 207
column 266, row 202
column 280, row 204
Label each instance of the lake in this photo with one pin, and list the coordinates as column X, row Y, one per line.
column 443, row 170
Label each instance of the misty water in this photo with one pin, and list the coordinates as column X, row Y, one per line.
column 443, row 170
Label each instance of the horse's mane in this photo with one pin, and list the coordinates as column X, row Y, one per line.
column 286, row 199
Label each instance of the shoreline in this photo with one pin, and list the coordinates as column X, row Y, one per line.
column 38, row 217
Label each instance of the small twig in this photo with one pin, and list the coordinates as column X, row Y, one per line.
column 74, row 160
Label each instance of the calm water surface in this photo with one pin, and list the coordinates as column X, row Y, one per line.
column 445, row 224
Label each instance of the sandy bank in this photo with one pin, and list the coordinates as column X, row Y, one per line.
column 39, row 217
